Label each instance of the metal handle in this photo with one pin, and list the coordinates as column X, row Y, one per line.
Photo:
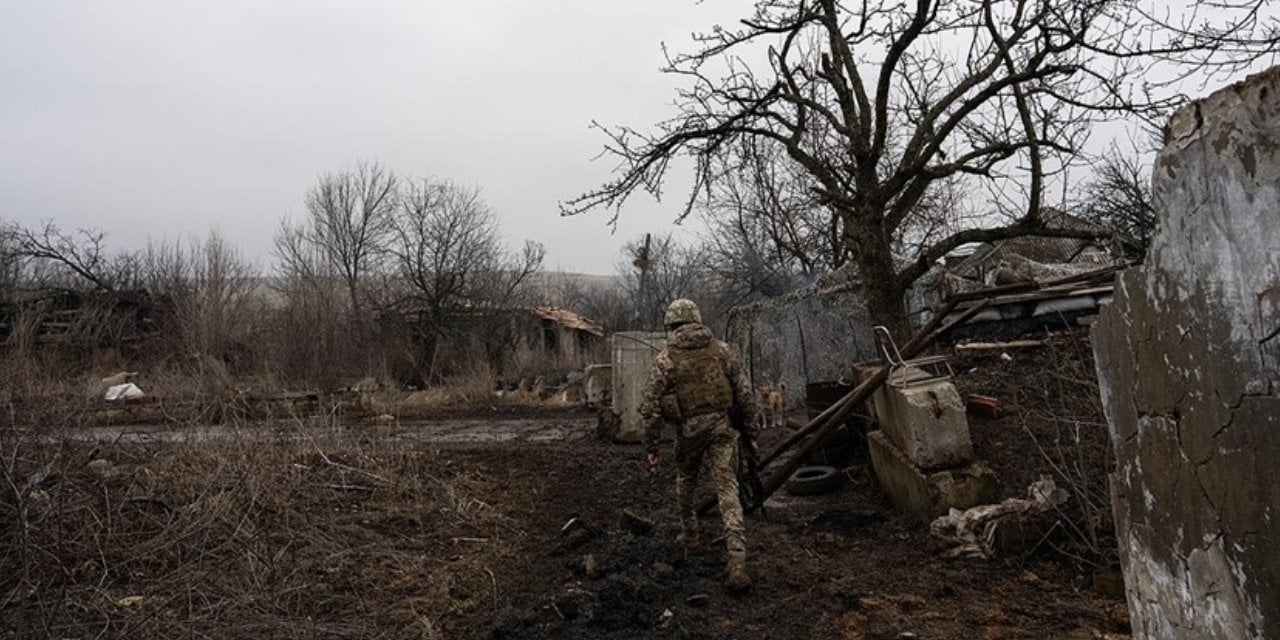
column 885, row 341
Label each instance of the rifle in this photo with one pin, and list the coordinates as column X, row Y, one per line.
column 750, row 488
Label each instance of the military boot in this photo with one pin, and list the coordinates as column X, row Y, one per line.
column 736, row 578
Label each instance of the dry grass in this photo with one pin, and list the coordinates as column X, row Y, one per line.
column 310, row 530
column 1064, row 417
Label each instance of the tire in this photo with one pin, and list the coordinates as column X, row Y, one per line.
column 812, row 481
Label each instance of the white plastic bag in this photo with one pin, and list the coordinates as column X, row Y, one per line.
column 126, row 391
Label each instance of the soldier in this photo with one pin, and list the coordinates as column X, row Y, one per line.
column 706, row 381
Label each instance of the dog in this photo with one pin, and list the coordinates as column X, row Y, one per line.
column 772, row 401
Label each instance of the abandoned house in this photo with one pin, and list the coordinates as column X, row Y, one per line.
column 508, row 336
column 76, row 318
column 559, row 333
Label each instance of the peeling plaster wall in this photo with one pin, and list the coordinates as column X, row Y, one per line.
column 1189, row 361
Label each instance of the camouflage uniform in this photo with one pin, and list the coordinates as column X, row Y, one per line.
column 706, row 380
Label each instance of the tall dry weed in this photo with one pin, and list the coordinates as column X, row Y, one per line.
column 311, row 530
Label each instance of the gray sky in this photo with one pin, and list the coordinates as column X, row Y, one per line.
column 165, row 118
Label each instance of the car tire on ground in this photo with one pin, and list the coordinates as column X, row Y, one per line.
column 811, row 481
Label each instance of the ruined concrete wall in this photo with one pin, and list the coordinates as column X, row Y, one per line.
column 812, row 335
column 633, row 355
column 1188, row 360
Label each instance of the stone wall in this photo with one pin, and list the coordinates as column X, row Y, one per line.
column 1188, row 358
column 811, row 335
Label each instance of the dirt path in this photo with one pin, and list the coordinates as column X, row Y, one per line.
column 837, row 566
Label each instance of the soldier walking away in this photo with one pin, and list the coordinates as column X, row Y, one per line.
column 707, row 383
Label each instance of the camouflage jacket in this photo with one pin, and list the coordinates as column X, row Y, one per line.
column 663, row 380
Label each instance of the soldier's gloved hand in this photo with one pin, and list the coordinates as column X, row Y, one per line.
column 654, row 459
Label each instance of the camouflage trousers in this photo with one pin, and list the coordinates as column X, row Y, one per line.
column 716, row 444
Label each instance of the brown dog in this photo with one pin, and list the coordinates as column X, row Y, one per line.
column 772, row 401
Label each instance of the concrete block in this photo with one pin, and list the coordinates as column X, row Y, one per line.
column 924, row 495
column 878, row 404
column 633, row 354
column 927, row 421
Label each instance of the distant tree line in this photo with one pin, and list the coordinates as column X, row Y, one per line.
column 370, row 274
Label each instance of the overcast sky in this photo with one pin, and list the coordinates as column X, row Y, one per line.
column 166, row 118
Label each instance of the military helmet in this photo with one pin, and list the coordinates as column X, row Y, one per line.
column 682, row 311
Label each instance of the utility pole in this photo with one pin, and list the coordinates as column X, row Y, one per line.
column 643, row 263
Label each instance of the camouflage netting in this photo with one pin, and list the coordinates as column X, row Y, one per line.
column 811, row 335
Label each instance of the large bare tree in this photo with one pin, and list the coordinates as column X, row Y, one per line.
column 877, row 102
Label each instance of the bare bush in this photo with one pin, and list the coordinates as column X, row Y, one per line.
column 1119, row 199
column 210, row 293
column 1054, row 425
column 1065, row 419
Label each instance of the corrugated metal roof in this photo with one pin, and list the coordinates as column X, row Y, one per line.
column 1035, row 248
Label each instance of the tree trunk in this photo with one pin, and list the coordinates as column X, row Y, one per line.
column 871, row 248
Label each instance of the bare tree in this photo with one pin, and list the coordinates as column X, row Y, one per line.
column 11, row 261
column 876, row 102
column 345, row 230
column 69, row 257
column 1118, row 198
column 679, row 270
column 762, row 214
column 655, row 271
column 219, row 315
column 448, row 252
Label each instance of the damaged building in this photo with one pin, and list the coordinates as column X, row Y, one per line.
column 78, row 319
column 1022, row 259
column 812, row 336
column 1188, row 357
column 511, row 336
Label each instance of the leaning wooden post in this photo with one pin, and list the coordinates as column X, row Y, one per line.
column 859, row 395
column 824, row 423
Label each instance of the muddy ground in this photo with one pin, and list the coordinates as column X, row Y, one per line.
column 457, row 529
column 842, row 565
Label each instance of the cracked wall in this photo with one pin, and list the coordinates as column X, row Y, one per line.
column 1189, row 359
